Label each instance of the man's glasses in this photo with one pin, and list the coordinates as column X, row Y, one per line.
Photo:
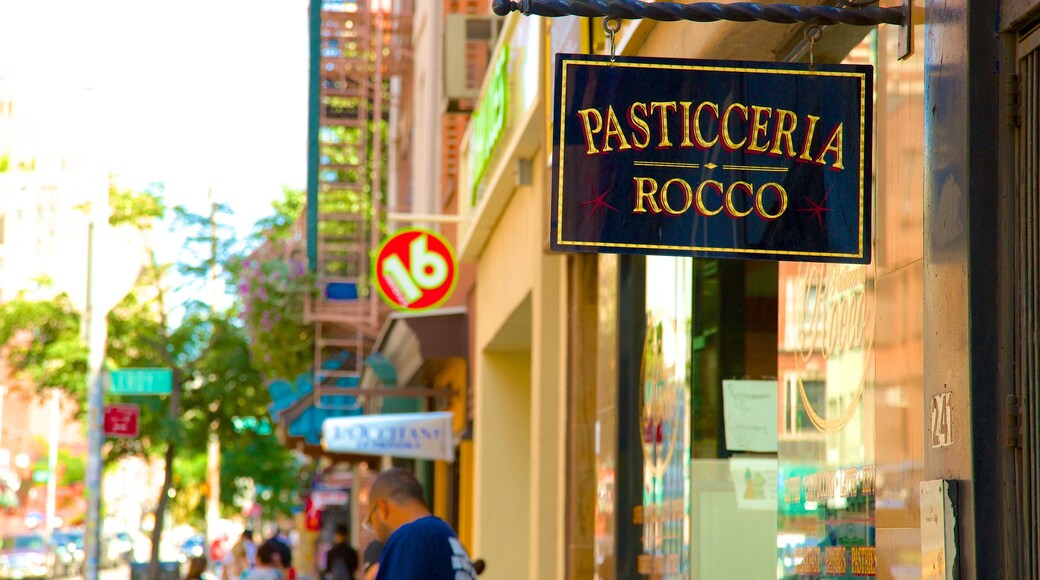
column 367, row 523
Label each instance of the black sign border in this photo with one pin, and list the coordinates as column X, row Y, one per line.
column 866, row 84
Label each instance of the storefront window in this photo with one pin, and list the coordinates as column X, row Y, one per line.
column 850, row 361
column 665, row 380
column 604, row 555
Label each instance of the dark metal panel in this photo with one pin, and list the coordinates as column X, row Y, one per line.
column 1015, row 12
column 631, row 329
column 1026, row 204
column 962, row 125
column 313, row 114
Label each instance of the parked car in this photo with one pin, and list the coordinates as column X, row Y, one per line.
column 26, row 556
column 71, row 555
column 119, row 548
column 193, row 547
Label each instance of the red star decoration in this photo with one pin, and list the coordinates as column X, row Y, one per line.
column 817, row 209
column 598, row 201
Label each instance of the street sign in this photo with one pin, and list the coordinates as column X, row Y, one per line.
column 122, row 420
column 415, row 270
column 142, row 382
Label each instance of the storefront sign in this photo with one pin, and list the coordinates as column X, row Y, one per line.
column 712, row 158
column 415, row 435
column 488, row 122
column 415, row 270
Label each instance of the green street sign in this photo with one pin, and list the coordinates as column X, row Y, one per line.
column 142, row 382
column 41, row 476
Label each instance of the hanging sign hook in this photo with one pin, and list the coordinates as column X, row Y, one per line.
column 611, row 24
column 813, row 34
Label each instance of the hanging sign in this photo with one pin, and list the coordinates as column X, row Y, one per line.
column 415, row 270
column 750, row 160
column 415, row 435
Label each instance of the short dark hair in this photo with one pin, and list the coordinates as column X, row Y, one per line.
column 265, row 553
column 341, row 530
column 398, row 485
column 272, row 546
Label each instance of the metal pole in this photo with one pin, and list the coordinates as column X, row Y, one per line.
column 96, row 331
column 52, row 460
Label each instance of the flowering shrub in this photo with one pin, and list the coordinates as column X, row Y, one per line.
column 272, row 293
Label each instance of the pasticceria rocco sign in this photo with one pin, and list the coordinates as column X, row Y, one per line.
column 710, row 158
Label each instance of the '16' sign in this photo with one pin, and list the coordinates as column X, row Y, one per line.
column 415, row 270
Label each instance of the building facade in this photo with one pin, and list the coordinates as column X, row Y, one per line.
column 914, row 368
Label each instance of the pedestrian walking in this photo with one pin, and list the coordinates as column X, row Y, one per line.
column 240, row 558
column 341, row 561
column 417, row 544
column 268, row 565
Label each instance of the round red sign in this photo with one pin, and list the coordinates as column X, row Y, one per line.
column 415, row 270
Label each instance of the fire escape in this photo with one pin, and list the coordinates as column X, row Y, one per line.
column 359, row 47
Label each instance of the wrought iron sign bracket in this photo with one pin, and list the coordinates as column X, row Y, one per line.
column 713, row 11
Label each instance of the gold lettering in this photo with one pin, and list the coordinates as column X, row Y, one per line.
column 727, row 141
column 687, row 192
column 868, row 480
column 864, row 561
column 758, row 128
column 698, row 136
column 639, row 124
column 732, row 209
column 662, row 116
column 836, row 563
column 781, row 196
column 686, row 124
column 807, row 560
column 808, row 138
column 850, row 482
column 642, row 194
column 786, row 123
column 793, row 489
column 701, row 208
column 614, row 130
column 833, row 144
column 587, row 115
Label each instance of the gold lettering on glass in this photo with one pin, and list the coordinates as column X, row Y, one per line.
column 836, row 308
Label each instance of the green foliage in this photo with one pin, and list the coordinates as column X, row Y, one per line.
column 73, row 468
column 260, row 458
column 273, row 292
column 278, row 225
column 138, row 209
column 189, row 476
column 210, row 354
column 272, row 286
column 45, row 344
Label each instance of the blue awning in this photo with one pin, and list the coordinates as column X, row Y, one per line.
column 293, row 405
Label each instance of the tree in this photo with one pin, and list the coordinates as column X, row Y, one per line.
column 45, row 345
column 209, row 350
column 215, row 379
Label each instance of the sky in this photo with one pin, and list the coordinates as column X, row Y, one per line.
column 195, row 94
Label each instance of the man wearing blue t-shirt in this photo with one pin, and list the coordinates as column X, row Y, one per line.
column 418, row 545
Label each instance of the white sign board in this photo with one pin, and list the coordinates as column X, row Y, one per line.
column 750, row 411
column 414, row 435
column 321, row 498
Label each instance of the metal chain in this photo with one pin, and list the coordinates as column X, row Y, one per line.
column 611, row 25
column 703, row 11
column 813, row 34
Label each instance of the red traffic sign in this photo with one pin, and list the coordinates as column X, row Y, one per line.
column 122, row 420
column 415, row 270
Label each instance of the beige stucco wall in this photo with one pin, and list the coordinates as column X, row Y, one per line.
column 519, row 410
